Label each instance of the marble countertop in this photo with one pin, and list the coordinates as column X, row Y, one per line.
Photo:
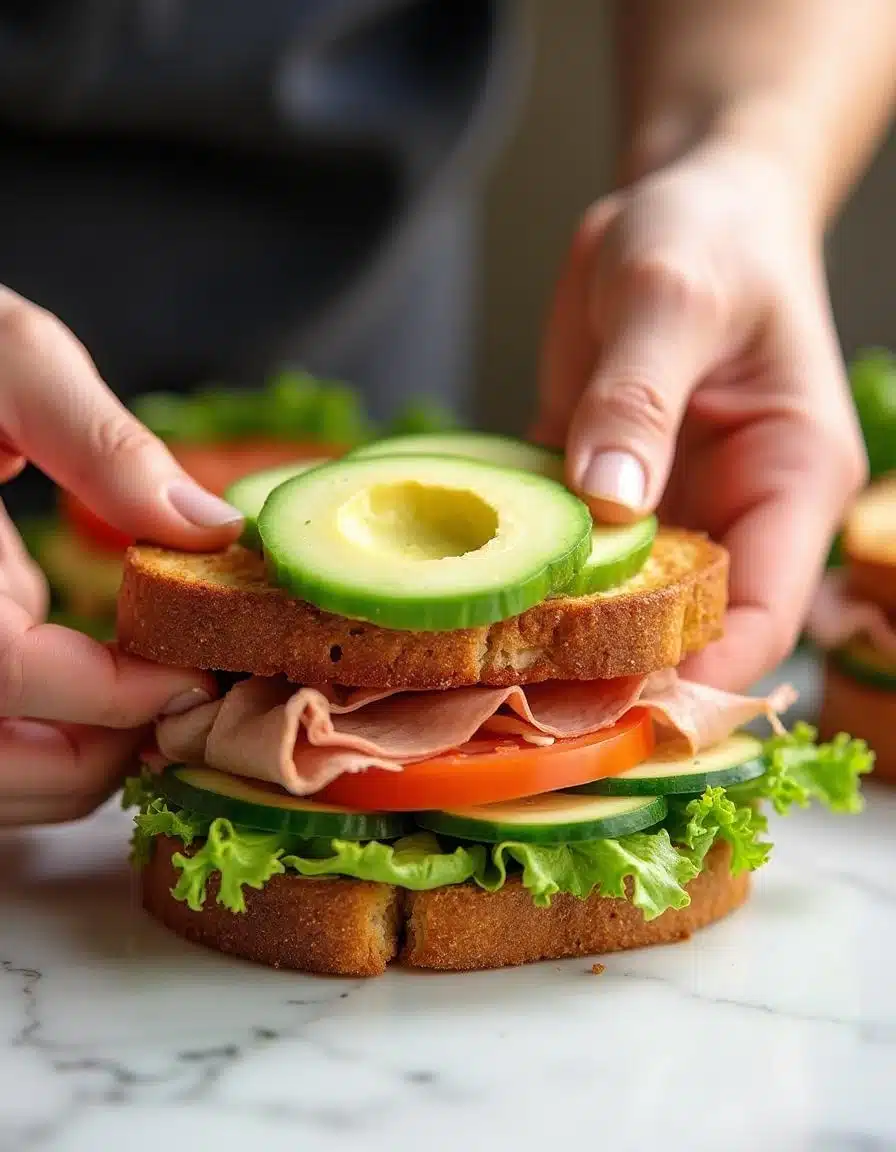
column 773, row 1030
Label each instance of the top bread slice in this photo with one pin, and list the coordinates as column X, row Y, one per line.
column 218, row 611
column 869, row 542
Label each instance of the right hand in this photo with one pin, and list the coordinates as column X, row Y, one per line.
column 691, row 367
column 74, row 712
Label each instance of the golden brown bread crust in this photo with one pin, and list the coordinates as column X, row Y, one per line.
column 864, row 711
column 333, row 926
column 354, row 928
column 219, row 612
column 465, row 928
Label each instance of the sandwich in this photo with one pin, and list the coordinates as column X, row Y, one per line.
column 451, row 731
column 853, row 620
column 218, row 435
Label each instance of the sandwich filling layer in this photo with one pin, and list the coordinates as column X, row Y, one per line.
column 295, row 741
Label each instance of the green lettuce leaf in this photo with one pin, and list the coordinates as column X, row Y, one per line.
column 155, row 818
column 159, row 820
column 657, row 871
column 240, row 858
column 696, row 824
column 799, row 771
column 417, row 862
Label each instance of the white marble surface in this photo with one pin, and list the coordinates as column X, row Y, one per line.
column 773, row 1030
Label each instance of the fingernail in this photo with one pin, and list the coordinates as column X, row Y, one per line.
column 186, row 702
column 617, row 477
column 200, row 507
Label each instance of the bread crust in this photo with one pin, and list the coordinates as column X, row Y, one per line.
column 866, row 712
column 219, row 612
column 331, row 926
column 464, row 928
column 354, row 928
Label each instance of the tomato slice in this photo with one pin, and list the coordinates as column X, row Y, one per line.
column 487, row 770
column 215, row 467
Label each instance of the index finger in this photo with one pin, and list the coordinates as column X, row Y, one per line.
column 56, row 411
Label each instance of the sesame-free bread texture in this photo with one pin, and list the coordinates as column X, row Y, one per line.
column 355, row 928
column 219, row 611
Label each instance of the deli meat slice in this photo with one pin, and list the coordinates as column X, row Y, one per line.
column 703, row 716
column 836, row 617
column 303, row 738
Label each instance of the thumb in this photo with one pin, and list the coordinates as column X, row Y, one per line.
column 56, row 411
column 658, row 337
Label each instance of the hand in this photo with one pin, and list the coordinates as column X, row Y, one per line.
column 73, row 712
column 691, row 365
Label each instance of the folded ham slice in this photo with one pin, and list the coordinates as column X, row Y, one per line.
column 836, row 618
column 303, row 738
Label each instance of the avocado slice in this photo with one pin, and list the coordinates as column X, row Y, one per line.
column 423, row 543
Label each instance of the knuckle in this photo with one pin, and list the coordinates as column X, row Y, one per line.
column 678, row 283
column 116, row 439
column 637, row 401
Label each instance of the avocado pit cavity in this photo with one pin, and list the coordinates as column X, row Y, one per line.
column 410, row 520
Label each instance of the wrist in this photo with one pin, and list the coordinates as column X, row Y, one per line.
column 763, row 129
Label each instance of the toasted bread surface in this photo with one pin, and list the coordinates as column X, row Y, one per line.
column 354, row 928
column 465, row 928
column 218, row 611
column 332, row 926
column 866, row 712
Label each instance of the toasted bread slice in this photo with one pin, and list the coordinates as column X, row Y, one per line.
column 355, row 928
column 866, row 712
column 869, row 542
column 218, row 611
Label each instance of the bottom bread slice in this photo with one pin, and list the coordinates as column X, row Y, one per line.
column 863, row 710
column 355, row 928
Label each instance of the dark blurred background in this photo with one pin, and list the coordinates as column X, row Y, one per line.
column 378, row 189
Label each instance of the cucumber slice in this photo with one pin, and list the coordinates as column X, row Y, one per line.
column 249, row 493
column 270, row 809
column 617, row 554
column 864, row 663
column 423, row 543
column 503, row 451
column 553, row 818
column 673, row 770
